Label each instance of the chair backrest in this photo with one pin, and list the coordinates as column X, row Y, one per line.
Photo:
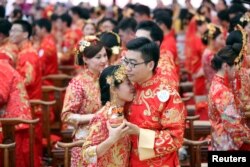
column 196, row 150
column 193, row 134
column 8, row 128
column 45, row 105
column 55, row 93
column 67, row 147
column 190, row 120
column 67, row 69
column 59, row 80
column 6, row 148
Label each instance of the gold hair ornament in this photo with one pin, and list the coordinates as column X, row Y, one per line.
column 85, row 42
column 245, row 17
column 117, row 36
column 244, row 44
column 119, row 75
column 115, row 50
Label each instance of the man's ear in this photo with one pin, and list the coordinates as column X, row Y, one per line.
column 151, row 65
column 26, row 35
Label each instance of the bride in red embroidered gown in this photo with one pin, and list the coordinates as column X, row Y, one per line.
column 107, row 143
column 226, row 112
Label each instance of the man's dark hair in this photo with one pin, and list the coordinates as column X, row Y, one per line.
column 25, row 26
column 18, row 14
column 142, row 9
column 81, row 12
column 148, row 49
column 66, row 18
column 2, row 11
column 159, row 10
column 106, row 19
column 164, row 18
column 128, row 24
column 5, row 27
column 44, row 23
column 155, row 31
column 54, row 17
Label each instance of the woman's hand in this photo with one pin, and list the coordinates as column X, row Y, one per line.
column 117, row 133
column 132, row 129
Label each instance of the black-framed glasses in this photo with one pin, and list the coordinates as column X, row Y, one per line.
column 126, row 62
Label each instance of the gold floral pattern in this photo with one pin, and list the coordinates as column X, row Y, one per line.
column 82, row 97
column 227, row 124
column 29, row 67
column 117, row 155
column 165, row 118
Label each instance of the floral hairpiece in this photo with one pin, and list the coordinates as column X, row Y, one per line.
column 119, row 75
column 115, row 50
column 245, row 17
column 244, row 44
column 211, row 30
column 85, row 42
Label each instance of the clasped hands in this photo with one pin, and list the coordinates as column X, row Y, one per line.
column 126, row 128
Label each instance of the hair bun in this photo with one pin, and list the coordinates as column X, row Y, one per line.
column 237, row 47
column 216, row 62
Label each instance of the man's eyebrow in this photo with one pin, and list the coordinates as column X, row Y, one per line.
column 132, row 60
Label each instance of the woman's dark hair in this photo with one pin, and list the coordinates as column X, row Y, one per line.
column 5, row 27
column 201, row 22
column 210, row 34
column 229, row 53
column 234, row 21
column 54, row 17
column 109, row 40
column 104, row 86
column 223, row 15
column 89, row 51
column 149, row 50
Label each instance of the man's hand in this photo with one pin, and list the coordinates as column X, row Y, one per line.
column 132, row 129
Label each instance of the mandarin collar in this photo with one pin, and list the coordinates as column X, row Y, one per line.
column 154, row 79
